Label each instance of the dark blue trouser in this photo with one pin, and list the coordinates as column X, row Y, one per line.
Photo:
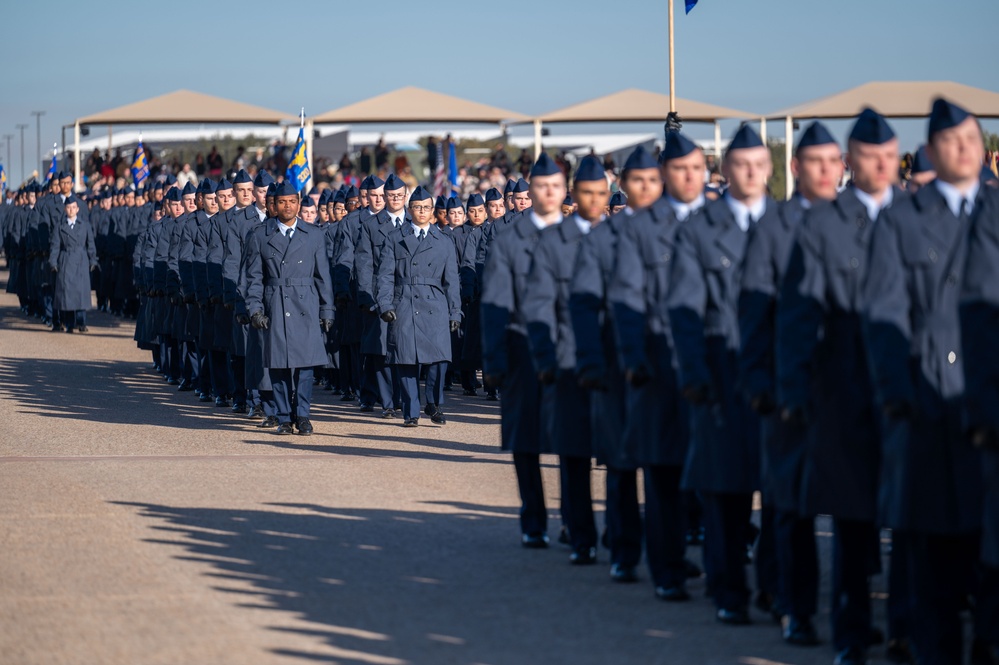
column 726, row 516
column 189, row 362
column 74, row 318
column 204, row 383
column 434, row 390
column 623, row 517
column 379, row 382
column 856, row 555
column 797, row 565
column 238, row 364
column 222, row 382
column 533, row 514
column 664, row 526
column 409, row 379
column 292, row 384
column 765, row 557
column 173, row 358
column 899, row 593
column 942, row 574
column 987, row 624
column 577, row 500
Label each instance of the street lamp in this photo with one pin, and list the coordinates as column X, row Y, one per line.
column 8, row 137
column 38, row 138
column 22, row 127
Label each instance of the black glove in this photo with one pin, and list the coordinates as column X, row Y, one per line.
column 243, row 319
column 467, row 300
column 174, row 300
column 493, row 381
column 341, row 299
column 986, row 438
column 229, row 306
column 899, row 410
column 54, row 269
column 215, row 300
column 638, row 376
column 697, row 394
column 763, row 404
column 326, row 324
column 203, row 306
column 592, row 378
column 96, row 267
column 188, row 300
column 455, row 325
column 547, row 376
column 389, row 316
column 794, row 415
column 259, row 321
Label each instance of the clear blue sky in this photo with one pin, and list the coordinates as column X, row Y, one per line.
column 533, row 56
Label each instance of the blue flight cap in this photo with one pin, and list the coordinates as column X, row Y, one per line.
column 475, row 200
column 745, row 138
column 509, row 186
column 223, row 185
column 338, row 197
column 520, row 186
column 420, row 194
column 324, row 198
column 241, row 177
column 157, row 205
column 493, row 194
column 677, row 145
column 366, row 183
column 106, row 194
column 202, row 185
column 271, row 189
column 351, row 193
column 71, row 199
column 286, row 188
column 171, row 179
column 618, row 198
column 158, row 185
column 173, row 194
column 945, row 115
column 393, row 183
column 440, row 203
column 545, row 166
column 209, row 186
column 871, row 127
column 589, row 170
column 189, row 190
column 921, row 162
column 314, row 191
column 263, row 179
column 452, row 203
column 307, row 202
column 988, row 175
column 815, row 134
column 375, row 182
column 567, row 201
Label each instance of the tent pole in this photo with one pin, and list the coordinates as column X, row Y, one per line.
column 672, row 80
column 763, row 130
column 308, row 151
column 76, row 156
column 788, row 147
column 537, row 139
column 717, row 141
column 110, row 138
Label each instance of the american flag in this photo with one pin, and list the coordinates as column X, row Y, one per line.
column 440, row 174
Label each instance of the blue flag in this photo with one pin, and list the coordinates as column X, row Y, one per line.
column 140, row 167
column 690, row 5
column 298, row 168
column 3, row 180
column 452, row 169
column 52, row 168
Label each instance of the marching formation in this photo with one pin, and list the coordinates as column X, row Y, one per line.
column 833, row 352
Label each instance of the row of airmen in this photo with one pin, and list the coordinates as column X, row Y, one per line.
column 833, row 352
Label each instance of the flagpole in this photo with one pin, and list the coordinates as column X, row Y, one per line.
column 672, row 82
column 308, row 147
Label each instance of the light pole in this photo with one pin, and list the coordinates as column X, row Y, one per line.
column 22, row 127
column 38, row 138
column 8, row 137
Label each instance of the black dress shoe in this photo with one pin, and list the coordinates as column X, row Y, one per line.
column 563, row 535
column 269, row 421
column 411, row 422
column 469, row 392
column 448, row 388
column 84, row 329
column 204, row 397
column 185, row 387
column 221, row 402
column 348, row 397
column 285, row 428
column 584, row 556
column 534, row 541
column 736, row 617
column 240, row 407
column 256, row 413
column 851, row 656
column 367, row 408
column 877, row 637
column 799, row 631
column 388, row 413
column 492, row 397
column 691, row 569
column 304, row 426
column 898, row 651
column 672, row 594
column 172, row 381
column 57, row 328
column 436, row 415
column 621, row 573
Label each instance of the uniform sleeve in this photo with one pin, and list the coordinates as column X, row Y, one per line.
column 386, row 278
column 686, row 301
column 979, row 311
column 55, row 246
column 364, row 268
column 757, row 310
column 324, row 281
column 498, row 301
column 185, row 258
column 91, row 247
column 343, row 258
column 539, row 306
column 173, row 262
column 231, row 261
column 586, row 305
column 800, row 311
column 885, row 315
column 214, row 258
column 467, row 273
column 253, row 271
column 626, row 293
column 452, row 287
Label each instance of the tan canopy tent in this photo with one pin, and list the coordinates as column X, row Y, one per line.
column 417, row 105
column 893, row 99
column 180, row 107
column 634, row 105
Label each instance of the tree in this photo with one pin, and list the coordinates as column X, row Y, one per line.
column 779, row 179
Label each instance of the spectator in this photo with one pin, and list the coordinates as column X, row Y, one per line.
column 432, row 154
column 187, row 175
column 365, row 161
column 215, row 164
column 199, row 166
column 381, row 154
